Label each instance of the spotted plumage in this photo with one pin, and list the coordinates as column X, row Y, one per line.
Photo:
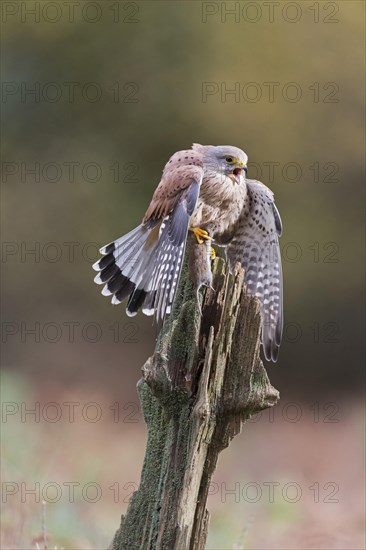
column 203, row 189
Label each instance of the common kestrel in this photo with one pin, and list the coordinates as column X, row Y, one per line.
column 203, row 190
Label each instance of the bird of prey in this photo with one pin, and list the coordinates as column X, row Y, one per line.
column 204, row 190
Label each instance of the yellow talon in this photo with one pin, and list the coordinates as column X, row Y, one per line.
column 200, row 234
column 213, row 253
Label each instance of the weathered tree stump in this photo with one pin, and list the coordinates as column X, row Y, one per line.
column 204, row 380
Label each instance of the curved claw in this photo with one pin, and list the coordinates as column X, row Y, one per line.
column 200, row 234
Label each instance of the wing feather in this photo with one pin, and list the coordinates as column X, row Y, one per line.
column 145, row 264
column 178, row 174
column 255, row 246
column 169, row 259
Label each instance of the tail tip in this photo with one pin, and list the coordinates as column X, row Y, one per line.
column 131, row 313
column 98, row 279
column 107, row 249
column 106, row 291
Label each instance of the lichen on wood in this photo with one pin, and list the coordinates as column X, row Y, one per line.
column 204, row 380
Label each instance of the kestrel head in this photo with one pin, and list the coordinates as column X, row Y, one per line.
column 224, row 159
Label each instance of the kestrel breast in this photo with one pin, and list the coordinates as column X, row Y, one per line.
column 219, row 205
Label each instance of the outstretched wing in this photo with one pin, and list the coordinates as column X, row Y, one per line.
column 173, row 203
column 145, row 264
column 255, row 246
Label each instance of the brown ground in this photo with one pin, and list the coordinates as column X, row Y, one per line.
column 314, row 467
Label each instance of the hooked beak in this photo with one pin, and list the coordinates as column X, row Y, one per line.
column 239, row 169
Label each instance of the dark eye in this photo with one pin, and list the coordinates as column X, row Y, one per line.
column 230, row 160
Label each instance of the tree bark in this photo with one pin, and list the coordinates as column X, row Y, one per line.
column 203, row 382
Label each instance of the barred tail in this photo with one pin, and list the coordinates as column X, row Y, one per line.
column 144, row 266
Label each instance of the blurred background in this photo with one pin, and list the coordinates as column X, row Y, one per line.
column 95, row 97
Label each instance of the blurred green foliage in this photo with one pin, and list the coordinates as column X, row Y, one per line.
column 159, row 66
column 168, row 55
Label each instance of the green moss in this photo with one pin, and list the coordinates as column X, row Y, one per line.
column 258, row 379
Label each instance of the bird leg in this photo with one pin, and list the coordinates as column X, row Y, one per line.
column 200, row 234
